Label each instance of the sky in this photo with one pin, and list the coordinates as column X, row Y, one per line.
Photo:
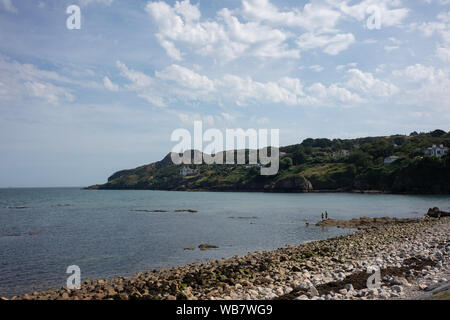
column 76, row 105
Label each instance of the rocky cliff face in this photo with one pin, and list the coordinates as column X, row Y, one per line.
column 292, row 183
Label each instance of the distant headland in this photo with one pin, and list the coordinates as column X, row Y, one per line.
column 417, row 163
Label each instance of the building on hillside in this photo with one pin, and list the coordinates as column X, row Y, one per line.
column 390, row 159
column 283, row 154
column 436, row 151
column 341, row 153
column 186, row 171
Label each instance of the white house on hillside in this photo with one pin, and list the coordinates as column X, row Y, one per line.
column 341, row 153
column 186, row 171
column 390, row 159
column 436, row 151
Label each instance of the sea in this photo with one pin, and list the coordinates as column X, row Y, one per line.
column 108, row 233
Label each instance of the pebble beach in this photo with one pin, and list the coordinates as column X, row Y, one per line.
column 412, row 255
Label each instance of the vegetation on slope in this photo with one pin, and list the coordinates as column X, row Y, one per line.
column 313, row 164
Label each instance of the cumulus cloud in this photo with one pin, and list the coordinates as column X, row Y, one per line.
column 109, row 85
column 314, row 16
column 427, row 85
column 391, row 12
column 390, row 48
column 331, row 45
column 180, row 84
column 417, row 72
column 258, row 28
column 226, row 37
column 316, row 68
column 170, row 48
column 443, row 53
column 138, row 79
column 367, row 84
column 8, row 6
column 333, row 95
column 47, row 91
column 440, row 27
column 24, row 81
column 186, row 78
column 88, row 2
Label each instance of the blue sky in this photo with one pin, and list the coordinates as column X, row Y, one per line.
column 78, row 105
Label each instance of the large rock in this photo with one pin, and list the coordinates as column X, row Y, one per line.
column 313, row 292
column 292, row 183
column 434, row 213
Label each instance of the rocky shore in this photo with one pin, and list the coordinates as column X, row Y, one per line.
column 366, row 222
column 413, row 257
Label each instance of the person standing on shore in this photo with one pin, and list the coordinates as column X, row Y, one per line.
column 322, row 216
column 326, row 215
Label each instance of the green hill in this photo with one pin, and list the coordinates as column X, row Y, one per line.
column 313, row 165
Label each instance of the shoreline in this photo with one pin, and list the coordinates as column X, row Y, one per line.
column 300, row 272
column 94, row 187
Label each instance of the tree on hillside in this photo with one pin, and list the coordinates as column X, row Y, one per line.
column 317, row 143
column 299, row 156
column 360, row 159
column 286, row 163
column 437, row 133
column 399, row 140
column 381, row 148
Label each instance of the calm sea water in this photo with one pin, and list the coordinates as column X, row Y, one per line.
column 42, row 231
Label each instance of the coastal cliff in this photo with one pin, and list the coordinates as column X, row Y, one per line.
column 392, row 164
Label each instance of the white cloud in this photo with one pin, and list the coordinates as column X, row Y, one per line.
column 184, row 77
column 416, row 73
column 260, row 29
column 390, row 48
column 246, row 91
column 441, row 27
column 426, row 85
column 8, row 6
column 109, row 85
column 47, row 91
column 170, row 48
column 88, row 2
column 331, row 45
column 345, row 66
column 390, row 11
column 179, row 84
column 429, row 28
column 370, row 86
column 228, row 117
column 260, row 120
column 443, row 53
column 139, row 80
column 444, row 16
column 25, row 81
column 441, row 2
column 321, row 95
column 316, row 68
column 314, row 16
column 226, row 37
column 190, row 117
